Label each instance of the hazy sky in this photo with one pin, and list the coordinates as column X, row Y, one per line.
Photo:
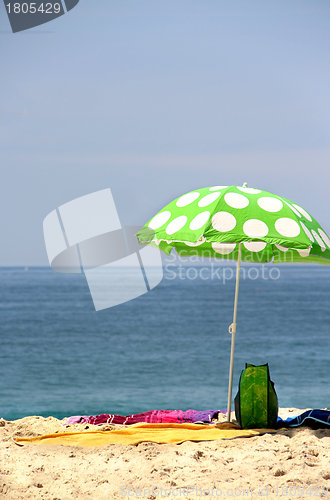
column 154, row 98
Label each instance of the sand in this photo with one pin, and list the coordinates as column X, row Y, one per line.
column 290, row 464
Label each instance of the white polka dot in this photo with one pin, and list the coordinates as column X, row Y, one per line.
column 281, row 248
column 302, row 211
column 287, row 227
column 249, row 190
column 223, row 221
column 223, row 248
column 293, row 209
column 176, row 224
column 208, row 199
column 324, row 237
column 186, row 199
column 319, row 240
column 159, row 220
column 199, row 220
column 255, row 246
column 217, row 188
column 304, row 252
column 307, row 231
column 270, row 204
column 255, row 228
column 236, row 200
column 195, row 243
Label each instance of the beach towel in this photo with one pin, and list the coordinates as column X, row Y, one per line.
column 139, row 433
column 153, row 416
column 317, row 419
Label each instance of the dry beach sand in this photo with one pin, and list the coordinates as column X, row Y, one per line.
column 289, row 464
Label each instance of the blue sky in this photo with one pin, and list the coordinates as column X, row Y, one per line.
column 153, row 99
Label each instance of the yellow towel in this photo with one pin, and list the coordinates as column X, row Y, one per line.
column 143, row 432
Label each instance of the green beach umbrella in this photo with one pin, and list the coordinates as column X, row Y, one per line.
column 238, row 223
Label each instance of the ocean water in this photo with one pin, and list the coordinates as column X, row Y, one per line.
column 168, row 349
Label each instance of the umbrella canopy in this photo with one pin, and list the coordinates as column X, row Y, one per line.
column 238, row 223
column 212, row 221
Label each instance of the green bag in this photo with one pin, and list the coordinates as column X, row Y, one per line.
column 256, row 404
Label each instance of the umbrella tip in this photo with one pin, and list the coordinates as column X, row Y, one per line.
column 245, row 185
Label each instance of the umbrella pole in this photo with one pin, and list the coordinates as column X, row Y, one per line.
column 232, row 331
